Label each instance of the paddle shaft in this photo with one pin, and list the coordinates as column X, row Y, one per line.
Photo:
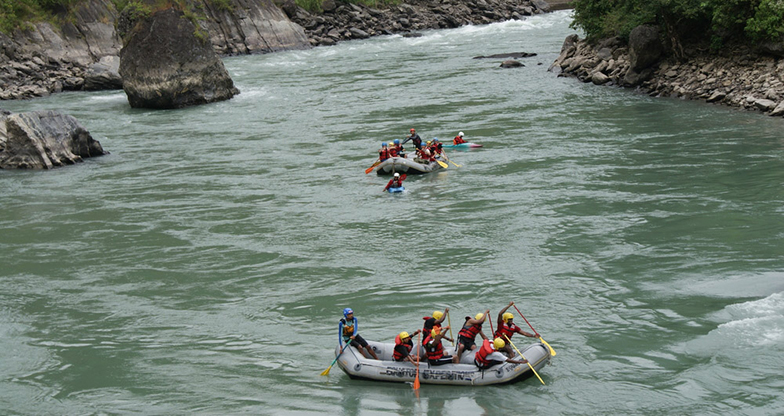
column 523, row 357
column 552, row 351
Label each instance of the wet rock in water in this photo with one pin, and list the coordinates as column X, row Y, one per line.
column 166, row 63
column 43, row 140
column 511, row 63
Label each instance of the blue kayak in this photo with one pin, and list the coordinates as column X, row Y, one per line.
column 396, row 190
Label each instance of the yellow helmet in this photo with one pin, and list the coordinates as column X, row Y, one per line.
column 498, row 343
column 438, row 314
column 508, row 317
column 404, row 335
column 479, row 316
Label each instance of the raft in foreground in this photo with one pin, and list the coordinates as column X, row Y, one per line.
column 353, row 363
column 405, row 165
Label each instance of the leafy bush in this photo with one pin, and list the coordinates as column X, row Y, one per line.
column 683, row 20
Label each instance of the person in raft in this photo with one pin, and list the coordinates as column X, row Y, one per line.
column 383, row 153
column 467, row 335
column 433, row 322
column 348, row 332
column 488, row 355
column 414, row 137
column 507, row 328
column 403, row 346
column 398, row 148
column 458, row 139
column 436, row 148
column 434, row 349
column 395, row 182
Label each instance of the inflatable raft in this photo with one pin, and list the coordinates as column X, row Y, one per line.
column 467, row 145
column 405, row 165
column 353, row 363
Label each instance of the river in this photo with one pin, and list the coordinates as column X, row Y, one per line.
column 202, row 266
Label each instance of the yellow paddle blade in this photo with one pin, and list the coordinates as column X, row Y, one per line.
column 552, row 351
column 443, row 165
column 326, row 372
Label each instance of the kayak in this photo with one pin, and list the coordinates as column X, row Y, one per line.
column 467, row 145
column 356, row 366
column 405, row 165
column 396, row 190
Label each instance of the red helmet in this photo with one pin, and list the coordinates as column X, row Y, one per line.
column 412, row 130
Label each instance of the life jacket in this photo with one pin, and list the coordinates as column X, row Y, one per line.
column 481, row 355
column 470, row 332
column 397, row 355
column 458, row 140
column 506, row 330
column 348, row 331
column 383, row 154
column 395, row 183
column 426, row 330
column 434, row 352
column 394, row 151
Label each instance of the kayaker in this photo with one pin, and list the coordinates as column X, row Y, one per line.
column 467, row 335
column 458, row 139
column 348, row 332
column 383, row 153
column 403, row 346
column 433, row 322
column 395, row 182
column 434, row 349
column 507, row 328
column 414, row 137
column 488, row 355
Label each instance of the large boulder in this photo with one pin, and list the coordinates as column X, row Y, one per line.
column 645, row 47
column 43, row 140
column 166, row 64
column 104, row 75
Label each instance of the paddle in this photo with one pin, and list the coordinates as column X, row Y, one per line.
column 370, row 169
column 523, row 357
column 450, row 160
column 449, row 321
column 552, row 351
column 443, row 165
column 326, row 372
column 416, row 378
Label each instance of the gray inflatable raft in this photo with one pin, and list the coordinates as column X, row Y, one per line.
column 353, row 363
column 405, row 165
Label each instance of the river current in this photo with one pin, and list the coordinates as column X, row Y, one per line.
column 202, row 266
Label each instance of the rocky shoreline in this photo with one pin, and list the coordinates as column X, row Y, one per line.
column 736, row 76
column 343, row 21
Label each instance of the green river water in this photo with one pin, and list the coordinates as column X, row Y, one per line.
column 202, row 266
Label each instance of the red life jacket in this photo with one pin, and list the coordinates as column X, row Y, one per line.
column 481, row 355
column 393, row 151
column 397, row 355
column 458, row 140
column 507, row 330
column 383, row 154
column 434, row 352
column 470, row 332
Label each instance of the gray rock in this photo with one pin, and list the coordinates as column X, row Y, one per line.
column 599, row 78
column 44, row 140
column 104, row 75
column 645, row 47
column 164, row 65
column 716, row 96
column 779, row 110
column 511, row 63
column 764, row 104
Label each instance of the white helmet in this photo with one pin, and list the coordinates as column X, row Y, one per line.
column 397, row 175
column 460, row 134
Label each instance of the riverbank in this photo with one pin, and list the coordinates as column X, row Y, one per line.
column 735, row 76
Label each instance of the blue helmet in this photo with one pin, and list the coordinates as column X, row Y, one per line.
column 435, row 139
column 347, row 311
column 397, row 141
column 384, row 144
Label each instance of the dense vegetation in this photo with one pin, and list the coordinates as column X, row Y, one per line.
column 709, row 21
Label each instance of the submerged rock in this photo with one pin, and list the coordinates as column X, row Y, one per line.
column 165, row 64
column 43, row 140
